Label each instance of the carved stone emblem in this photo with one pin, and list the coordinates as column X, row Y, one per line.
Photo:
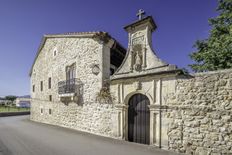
column 95, row 69
column 138, row 40
column 138, row 85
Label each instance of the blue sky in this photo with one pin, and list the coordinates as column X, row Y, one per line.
column 24, row 22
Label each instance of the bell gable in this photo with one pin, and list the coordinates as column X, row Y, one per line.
column 141, row 58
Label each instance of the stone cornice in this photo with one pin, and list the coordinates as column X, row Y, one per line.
column 103, row 36
column 131, row 76
column 139, row 22
column 121, row 106
column 155, row 107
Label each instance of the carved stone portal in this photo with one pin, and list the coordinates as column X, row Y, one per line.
column 137, row 57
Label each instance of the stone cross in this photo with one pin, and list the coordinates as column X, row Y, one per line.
column 140, row 14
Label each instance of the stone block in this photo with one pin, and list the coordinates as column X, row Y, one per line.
column 221, row 83
column 197, row 136
column 201, row 151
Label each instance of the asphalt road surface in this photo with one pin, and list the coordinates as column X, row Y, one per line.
column 20, row 136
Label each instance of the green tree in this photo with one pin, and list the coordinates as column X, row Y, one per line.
column 215, row 52
column 10, row 97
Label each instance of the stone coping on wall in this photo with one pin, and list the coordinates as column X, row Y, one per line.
column 212, row 72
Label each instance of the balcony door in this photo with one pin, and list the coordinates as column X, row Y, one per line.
column 70, row 77
column 70, row 72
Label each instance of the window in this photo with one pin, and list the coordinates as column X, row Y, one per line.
column 50, row 111
column 41, row 85
column 41, row 110
column 71, row 72
column 55, row 52
column 33, row 88
column 49, row 83
column 50, row 97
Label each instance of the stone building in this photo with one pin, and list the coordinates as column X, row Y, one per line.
column 89, row 82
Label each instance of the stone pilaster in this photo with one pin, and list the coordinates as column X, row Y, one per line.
column 121, row 116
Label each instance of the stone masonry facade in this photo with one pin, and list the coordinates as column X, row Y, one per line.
column 85, row 113
column 200, row 114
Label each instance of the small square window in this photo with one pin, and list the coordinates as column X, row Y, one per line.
column 33, row 88
column 50, row 111
column 50, row 97
column 55, row 52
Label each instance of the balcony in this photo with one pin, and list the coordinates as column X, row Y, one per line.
column 69, row 89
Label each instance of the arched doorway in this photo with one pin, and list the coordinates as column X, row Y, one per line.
column 139, row 119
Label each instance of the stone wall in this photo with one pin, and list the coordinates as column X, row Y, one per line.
column 200, row 114
column 85, row 114
column 89, row 117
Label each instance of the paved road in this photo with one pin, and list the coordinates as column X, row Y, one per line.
column 20, row 136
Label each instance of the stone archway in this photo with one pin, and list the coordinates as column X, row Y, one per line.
column 139, row 119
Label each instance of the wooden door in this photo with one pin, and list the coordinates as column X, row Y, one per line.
column 139, row 119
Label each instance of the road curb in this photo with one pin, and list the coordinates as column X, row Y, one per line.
column 6, row 114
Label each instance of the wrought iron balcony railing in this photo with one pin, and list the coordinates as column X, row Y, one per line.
column 69, row 86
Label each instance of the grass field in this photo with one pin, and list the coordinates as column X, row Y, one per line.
column 12, row 109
